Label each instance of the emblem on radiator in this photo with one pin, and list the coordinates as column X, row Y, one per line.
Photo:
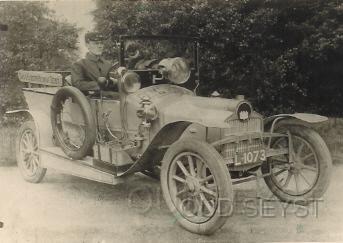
column 243, row 115
column 243, row 111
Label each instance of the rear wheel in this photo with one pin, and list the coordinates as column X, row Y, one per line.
column 27, row 152
column 196, row 186
column 307, row 177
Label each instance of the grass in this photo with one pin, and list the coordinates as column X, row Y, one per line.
column 332, row 133
column 7, row 145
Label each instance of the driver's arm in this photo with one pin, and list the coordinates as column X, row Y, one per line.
column 79, row 79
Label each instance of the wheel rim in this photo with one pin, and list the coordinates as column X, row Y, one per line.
column 296, row 178
column 71, row 133
column 29, row 153
column 192, row 187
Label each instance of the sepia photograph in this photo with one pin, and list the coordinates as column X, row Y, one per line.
column 171, row 121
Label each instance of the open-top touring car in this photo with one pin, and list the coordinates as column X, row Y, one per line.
column 198, row 146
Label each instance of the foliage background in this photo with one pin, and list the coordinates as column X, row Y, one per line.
column 34, row 41
column 284, row 55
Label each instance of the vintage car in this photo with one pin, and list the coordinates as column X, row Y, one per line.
column 198, row 146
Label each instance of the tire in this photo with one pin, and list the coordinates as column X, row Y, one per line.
column 208, row 164
column 27, row 153
column 312, row 166
column 80, row 151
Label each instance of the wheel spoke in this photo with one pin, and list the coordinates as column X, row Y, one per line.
column 291, row 145
column 36, row 160
column 25, row 151
column 300, row 149
column 35, row 145
column 307, row 167
column 206, row 179
column 184, row 190
column 307, row 156
column 29, row 163
column 200, row 207
column 24, row 143
column 208, row 191
column 304, row 178
column 34, row 165
column 199, row 166
column 179, row 179
column 191, row 165
column 288, row 179
column 279, row 172
column 30, row 139
column 296, row 180
column 206, row 203
column 27, row 140
column 27, row 160
column 182, row 167
column 35, row 153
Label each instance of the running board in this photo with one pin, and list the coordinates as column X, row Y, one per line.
column 54, row 158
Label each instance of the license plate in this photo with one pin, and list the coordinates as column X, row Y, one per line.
column 251, row 157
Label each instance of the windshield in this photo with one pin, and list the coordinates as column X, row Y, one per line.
column 145, row 54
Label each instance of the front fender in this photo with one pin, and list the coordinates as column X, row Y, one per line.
column 156, row 149
column 186, row 110
column 306, row 119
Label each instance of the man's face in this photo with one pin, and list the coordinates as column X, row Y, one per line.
column 95, row 47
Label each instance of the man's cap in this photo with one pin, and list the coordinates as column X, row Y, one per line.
column 94, row 36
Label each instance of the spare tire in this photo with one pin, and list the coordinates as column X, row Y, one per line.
column 88, row 125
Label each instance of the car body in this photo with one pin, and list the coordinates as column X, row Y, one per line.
column 197, row 146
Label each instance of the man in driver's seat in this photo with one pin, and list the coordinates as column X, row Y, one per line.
column 89, row 74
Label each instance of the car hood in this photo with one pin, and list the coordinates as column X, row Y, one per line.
column 175, row 103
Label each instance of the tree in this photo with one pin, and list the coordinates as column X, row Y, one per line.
column 284, row 55
column 34, row 41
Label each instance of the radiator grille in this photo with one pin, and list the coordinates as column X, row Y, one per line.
column 238, row 126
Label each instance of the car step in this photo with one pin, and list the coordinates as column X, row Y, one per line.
column 54, row 158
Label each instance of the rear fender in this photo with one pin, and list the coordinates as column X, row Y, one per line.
column 304, row 119
column 42, row 123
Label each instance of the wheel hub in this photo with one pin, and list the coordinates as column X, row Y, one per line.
column 193, row 184
column 296, row 166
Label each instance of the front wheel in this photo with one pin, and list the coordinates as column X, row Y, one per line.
column 303, row 175
column 196, row 186
column 27, row 152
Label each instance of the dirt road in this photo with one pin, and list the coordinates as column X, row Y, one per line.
column 68, row 209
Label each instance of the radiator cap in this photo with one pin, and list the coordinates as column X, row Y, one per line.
column 240, row 97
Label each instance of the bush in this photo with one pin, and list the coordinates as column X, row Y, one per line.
column 284, row 55
column 34, row 41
